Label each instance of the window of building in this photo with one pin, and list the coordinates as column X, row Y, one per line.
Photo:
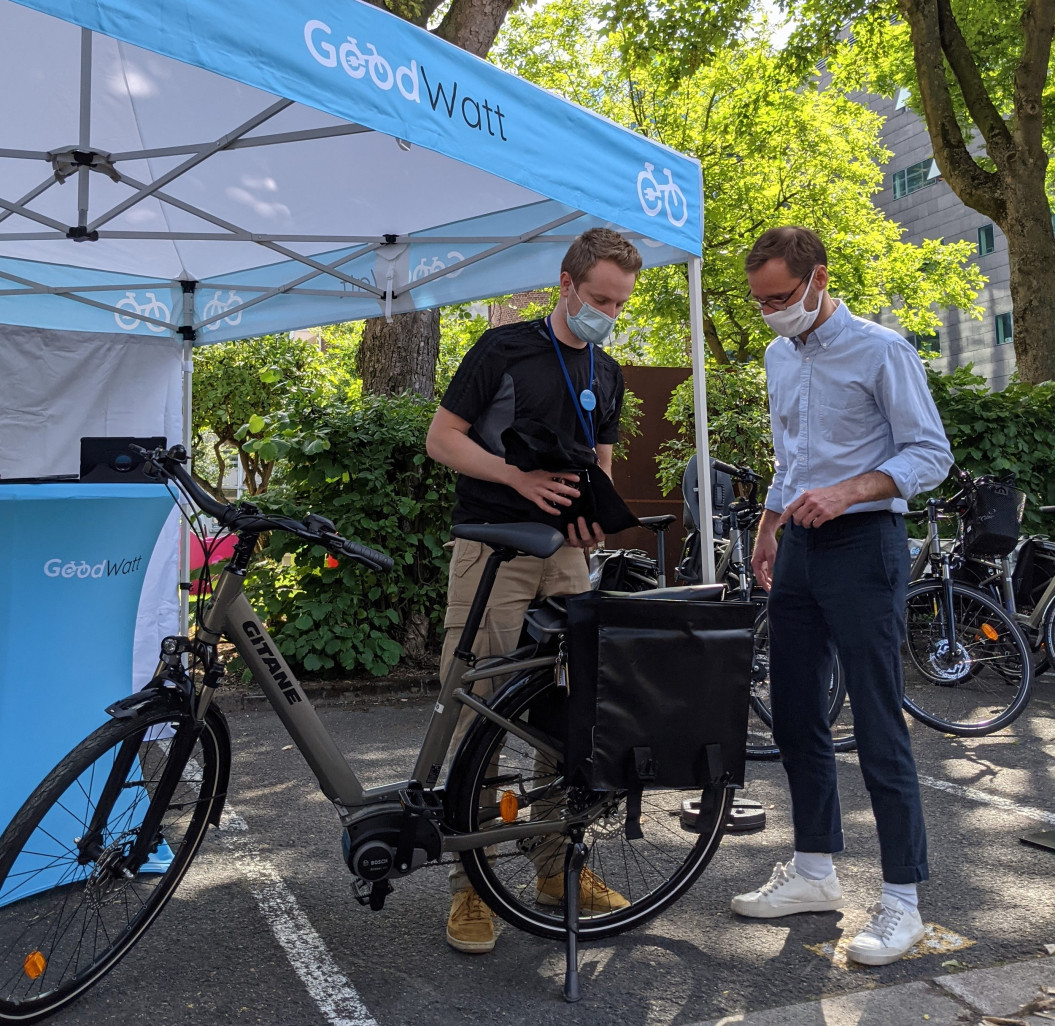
column 902, row 97
column 986, row 243
column 926, row 345
column 916, row 177
column 1003, row 328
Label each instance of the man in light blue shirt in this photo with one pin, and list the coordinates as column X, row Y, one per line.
column 855, row 434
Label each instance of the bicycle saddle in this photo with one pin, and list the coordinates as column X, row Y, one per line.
column 531, row 539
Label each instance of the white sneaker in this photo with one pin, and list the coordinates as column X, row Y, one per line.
column 787, row 893
column 891, row 932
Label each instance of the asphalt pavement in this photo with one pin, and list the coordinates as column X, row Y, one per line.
column 265, row 928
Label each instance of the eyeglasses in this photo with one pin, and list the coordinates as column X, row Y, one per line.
column 779, row 302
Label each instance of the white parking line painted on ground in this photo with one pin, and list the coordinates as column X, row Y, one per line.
column 329, row 988
column 1028, row 811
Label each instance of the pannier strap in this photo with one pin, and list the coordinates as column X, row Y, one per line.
column 644, row 772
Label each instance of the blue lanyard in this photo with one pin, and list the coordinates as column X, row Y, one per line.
column 586, row 398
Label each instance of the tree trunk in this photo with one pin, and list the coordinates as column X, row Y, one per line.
column 1031, row 255
column 400, row 355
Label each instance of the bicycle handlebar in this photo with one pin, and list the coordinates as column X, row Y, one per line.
column 745, row 474
column 169, row 463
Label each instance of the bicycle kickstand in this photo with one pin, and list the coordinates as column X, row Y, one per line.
column 574, row 859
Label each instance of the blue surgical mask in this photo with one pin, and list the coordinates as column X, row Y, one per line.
column 590, row 325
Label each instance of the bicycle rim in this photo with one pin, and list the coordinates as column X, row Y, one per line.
column 650, row 872
column 67, row 918
column 980, row 685
column 760, row 743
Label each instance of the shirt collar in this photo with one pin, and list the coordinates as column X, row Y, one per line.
column 829, row 331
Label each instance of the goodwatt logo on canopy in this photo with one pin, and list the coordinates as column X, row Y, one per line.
column 442, row 97
column 67, row 568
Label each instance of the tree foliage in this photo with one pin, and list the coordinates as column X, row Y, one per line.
column 979, row 73
column 771, row 153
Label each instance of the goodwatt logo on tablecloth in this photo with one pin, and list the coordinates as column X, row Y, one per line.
column 79, row 568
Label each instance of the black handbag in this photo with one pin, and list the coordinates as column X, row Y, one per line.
column 659, row 686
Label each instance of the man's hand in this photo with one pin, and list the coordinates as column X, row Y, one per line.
column 545, row 489
column 819, row 505
column 763, row 556
column 583, row 536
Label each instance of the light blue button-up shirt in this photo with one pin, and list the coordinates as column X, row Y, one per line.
column 851, row 399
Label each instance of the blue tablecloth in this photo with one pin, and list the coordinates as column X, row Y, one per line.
column 73, row 557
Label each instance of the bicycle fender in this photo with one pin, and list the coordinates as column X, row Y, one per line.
column 156, row 696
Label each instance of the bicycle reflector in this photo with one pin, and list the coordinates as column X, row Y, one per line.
column 34, row 965
column 509, row 807
column 990, row 631
column 330, row 562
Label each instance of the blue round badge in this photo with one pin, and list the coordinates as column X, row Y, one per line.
column 587, row 399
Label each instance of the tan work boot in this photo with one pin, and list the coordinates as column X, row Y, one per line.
column 470, row 926
column 594, row 895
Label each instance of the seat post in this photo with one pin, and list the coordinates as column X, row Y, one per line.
column 464, row 651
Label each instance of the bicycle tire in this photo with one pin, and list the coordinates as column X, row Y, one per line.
column 760, row 743
column 986, row 683
column 1047, row 630
column 67, row 918
column 651, row 872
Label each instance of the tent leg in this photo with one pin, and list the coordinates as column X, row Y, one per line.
column 703, row 449
column 184, row 533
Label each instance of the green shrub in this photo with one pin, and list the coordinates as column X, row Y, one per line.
column 364, row 466
column 998, row 433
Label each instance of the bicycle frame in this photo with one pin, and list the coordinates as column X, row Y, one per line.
column 230, row 615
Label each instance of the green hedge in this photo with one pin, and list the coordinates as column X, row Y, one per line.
column 363, row 466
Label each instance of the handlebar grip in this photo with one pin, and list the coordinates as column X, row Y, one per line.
column 371, row 557
column 726, row 468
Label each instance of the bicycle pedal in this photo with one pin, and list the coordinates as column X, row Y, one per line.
column 422, row 802
column 371, row 894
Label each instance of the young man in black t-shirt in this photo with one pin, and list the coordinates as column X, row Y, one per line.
column 551, row 378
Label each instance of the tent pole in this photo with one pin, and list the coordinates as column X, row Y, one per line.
column 703, row 449
column 184, row 533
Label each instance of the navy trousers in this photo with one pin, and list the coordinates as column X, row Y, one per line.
column 841, row 586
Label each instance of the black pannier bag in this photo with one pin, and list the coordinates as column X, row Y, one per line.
column 658, row 692
column 994, row 518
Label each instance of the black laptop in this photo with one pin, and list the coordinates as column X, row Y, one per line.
column 111, row 461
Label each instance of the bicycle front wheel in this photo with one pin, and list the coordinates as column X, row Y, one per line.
column 496, row 768
column 977, row 683
column 70, row 909
column 760, row 743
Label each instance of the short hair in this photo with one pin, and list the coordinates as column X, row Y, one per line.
column 597, row 244
column 801, row 249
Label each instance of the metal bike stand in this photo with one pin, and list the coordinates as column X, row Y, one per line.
column 574, row 860
column 1041, row 839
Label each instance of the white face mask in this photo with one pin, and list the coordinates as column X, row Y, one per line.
column 796, row 319
column 589, row 324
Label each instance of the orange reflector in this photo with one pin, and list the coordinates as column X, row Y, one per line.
column 509, row 807
column 34, row 965
column 331, row 562
column 990, row 631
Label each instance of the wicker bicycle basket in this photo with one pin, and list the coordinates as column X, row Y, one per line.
column 992, row 522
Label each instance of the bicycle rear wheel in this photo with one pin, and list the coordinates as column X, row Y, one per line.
column 69, row 908
column 760, row 743
column 650, row 872
column 980, row 685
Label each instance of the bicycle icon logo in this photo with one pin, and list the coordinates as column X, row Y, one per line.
column 153, row 307
column 424, row 268
column 655, row 196
column 213, row 311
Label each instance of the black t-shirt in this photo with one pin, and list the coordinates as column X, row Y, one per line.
column 513, row 374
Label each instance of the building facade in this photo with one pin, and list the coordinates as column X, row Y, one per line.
column 917, row 197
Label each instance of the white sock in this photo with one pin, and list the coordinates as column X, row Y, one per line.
column 905, row 893
column 811, row 865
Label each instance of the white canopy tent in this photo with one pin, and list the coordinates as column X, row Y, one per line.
column 188, row 172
